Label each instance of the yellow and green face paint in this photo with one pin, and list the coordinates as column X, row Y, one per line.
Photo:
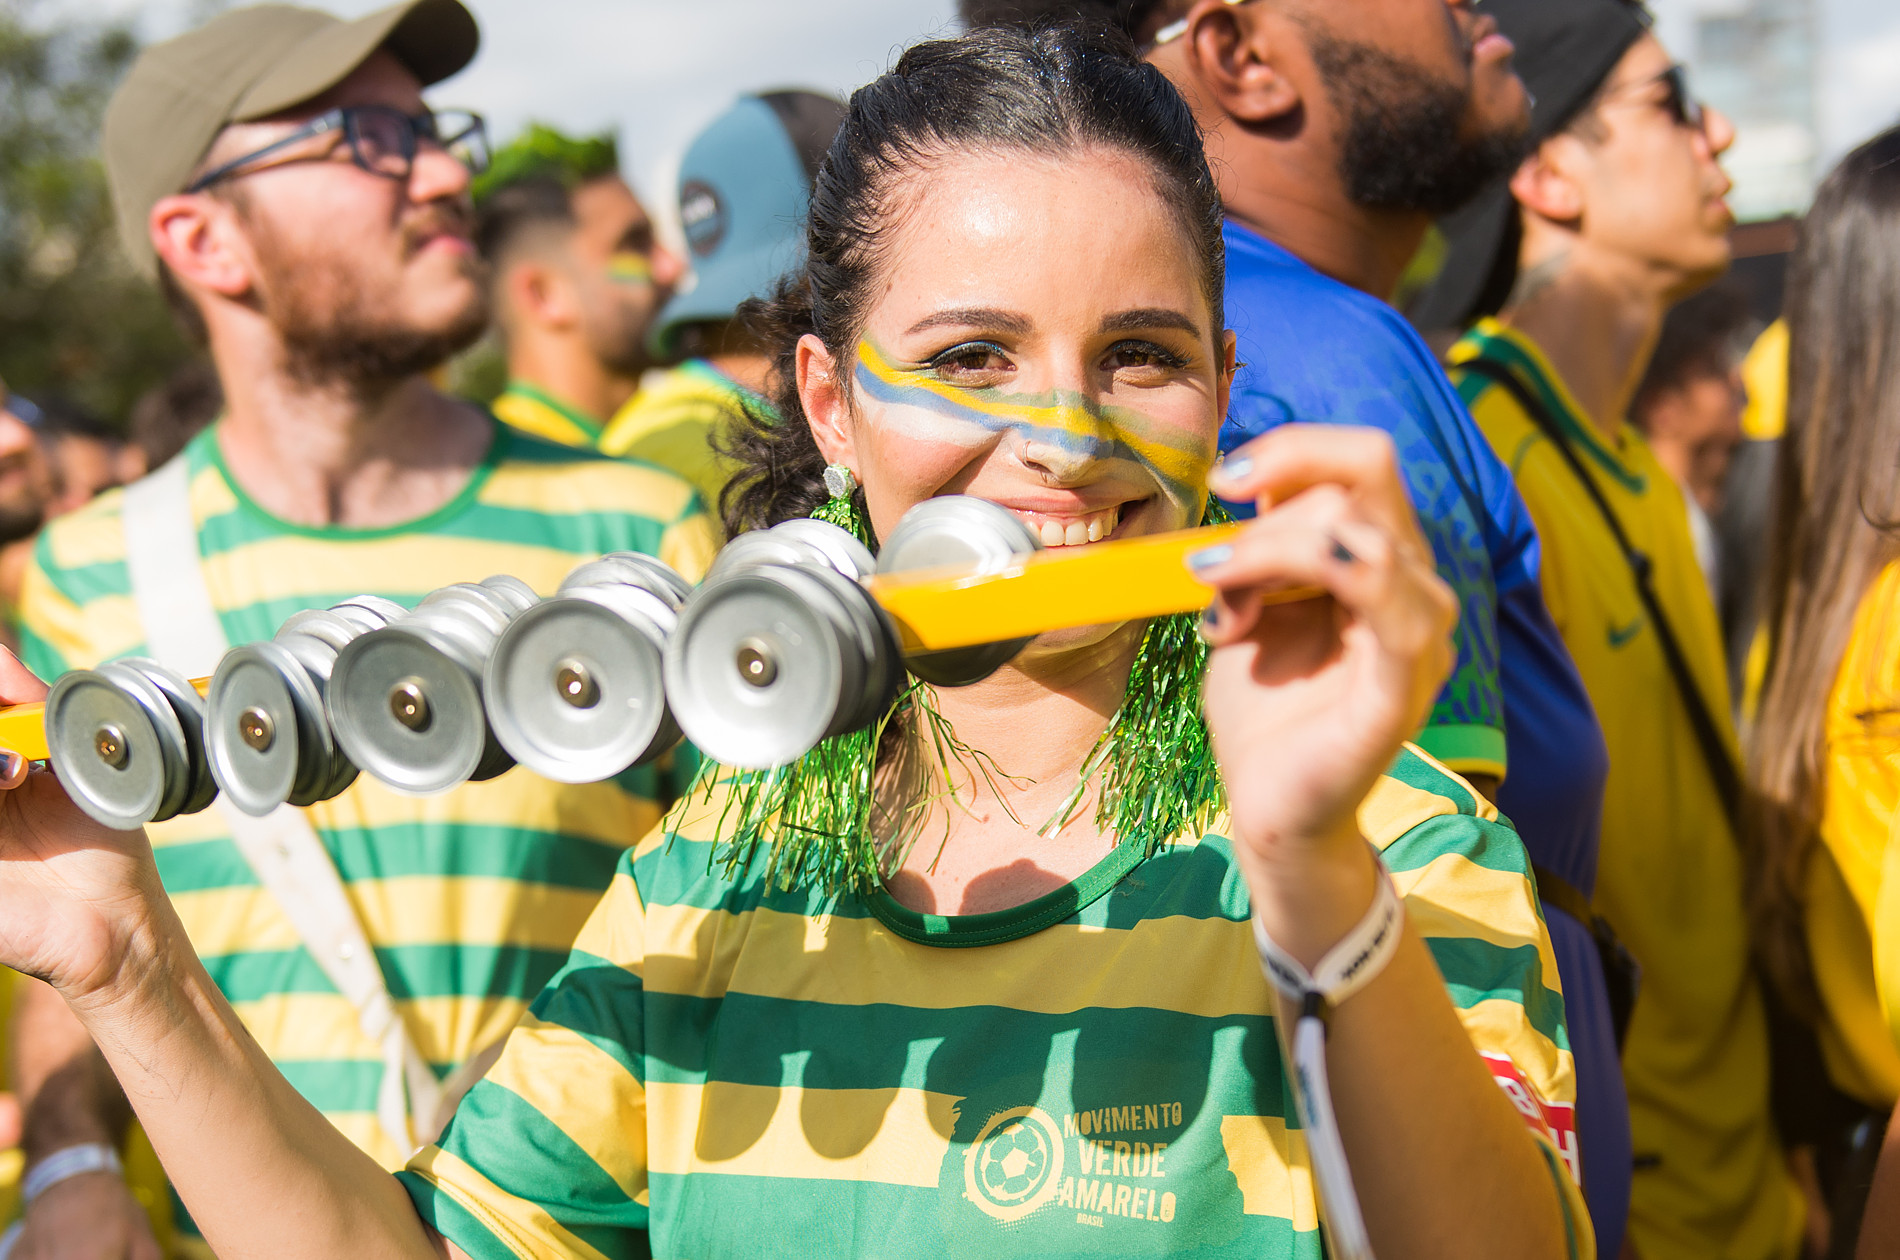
column 628, row 267
column 930, row 409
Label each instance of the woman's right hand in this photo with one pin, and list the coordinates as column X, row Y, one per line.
column 75, row 896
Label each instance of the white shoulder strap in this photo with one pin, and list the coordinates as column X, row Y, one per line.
column 182, row 630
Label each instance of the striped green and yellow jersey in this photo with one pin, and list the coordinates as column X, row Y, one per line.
column 1710, row 1176
column 472, row 898
column 677, row 421
column 727, row 1068
column 540, row 414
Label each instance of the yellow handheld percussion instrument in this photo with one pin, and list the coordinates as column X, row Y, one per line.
column 797, row 634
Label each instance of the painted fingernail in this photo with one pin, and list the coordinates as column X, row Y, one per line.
column 9, row 764
column 1210, row 618
column 1234, row 468
column 1343, row 554
column 1210, row 557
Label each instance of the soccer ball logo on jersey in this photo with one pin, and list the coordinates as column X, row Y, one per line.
column 1015, row 1163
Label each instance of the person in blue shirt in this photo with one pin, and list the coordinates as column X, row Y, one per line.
column 1339, row 132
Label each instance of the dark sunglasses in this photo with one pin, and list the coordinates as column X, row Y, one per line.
column 1683, row 108
column 383, row 141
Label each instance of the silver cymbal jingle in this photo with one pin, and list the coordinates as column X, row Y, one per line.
column 767, row 661
column 797, row 542
column 406, row 701
column 125, row 742
column 268, row 739
column 575, row 687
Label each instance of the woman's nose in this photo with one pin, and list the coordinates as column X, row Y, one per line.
column 1068, row 444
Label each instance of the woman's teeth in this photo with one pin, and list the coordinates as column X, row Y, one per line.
column 1075, row 532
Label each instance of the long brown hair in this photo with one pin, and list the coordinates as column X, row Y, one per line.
column 1837, row 524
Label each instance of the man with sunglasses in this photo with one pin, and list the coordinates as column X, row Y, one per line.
column 309, row 217
column 1618, row 213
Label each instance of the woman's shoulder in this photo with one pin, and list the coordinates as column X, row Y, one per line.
column 1446, row 844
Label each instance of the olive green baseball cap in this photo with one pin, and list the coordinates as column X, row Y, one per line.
column 245, row 65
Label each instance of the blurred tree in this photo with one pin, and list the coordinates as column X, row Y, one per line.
column 75, row 318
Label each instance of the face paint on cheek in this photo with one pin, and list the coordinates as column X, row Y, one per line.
column 1067, row 433
column 627, row 267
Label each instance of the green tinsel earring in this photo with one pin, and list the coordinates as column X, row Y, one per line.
column 845, row 507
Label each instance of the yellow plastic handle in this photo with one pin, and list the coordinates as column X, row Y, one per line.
column 23, row 730
column 1055, row 590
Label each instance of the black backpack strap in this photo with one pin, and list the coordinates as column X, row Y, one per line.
column 1722, row 767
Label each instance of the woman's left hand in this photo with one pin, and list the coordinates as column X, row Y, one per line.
column 1308, row 701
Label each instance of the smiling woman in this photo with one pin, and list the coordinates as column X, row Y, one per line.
column 1013, row 1037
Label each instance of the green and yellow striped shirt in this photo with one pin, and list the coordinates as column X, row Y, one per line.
column 725, row 1068
column 471, row 899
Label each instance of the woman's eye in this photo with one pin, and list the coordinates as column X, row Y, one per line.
column 1143, row 356
column 973, row 361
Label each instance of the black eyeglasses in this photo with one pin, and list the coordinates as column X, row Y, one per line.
column 1685, row 109
column 383, row 141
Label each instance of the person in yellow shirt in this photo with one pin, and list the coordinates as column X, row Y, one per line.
column 1825, row 763
column 1617, row 213
column 744, row 186
column 577, row 279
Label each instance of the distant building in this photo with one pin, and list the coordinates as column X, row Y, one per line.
column 1755, row 61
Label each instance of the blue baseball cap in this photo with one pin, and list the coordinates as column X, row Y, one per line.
column 744, row 186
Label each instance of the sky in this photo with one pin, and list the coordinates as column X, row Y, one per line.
column 658, row 70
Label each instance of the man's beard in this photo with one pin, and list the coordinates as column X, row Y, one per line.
column 22, row 514
column 1405, row 145
column 336, row 331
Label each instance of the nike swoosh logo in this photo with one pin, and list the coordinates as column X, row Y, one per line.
column 1619, row 637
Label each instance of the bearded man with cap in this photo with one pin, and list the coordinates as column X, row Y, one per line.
column 1618, row 213
column 578, row 277
column 744, row 186
column 1337, row 130
column 309, row 214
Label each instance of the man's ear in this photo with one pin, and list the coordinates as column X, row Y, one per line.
column 539, row 294
column 1547, row 184
column 824, row 391
column 199, row 239
column 1232, row 57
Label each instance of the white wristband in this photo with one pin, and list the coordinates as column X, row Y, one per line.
column 73, row 1161
column 1346, row 968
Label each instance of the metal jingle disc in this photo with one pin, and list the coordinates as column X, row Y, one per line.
column 757, row 671
column 513, row 592
column 576, row 689
column 343, row 772
column 644, row 571
column 763, row 546
column 406, row 709
column 475, row 604
column 877, row 649
column 958, row 529
column 368, row 612
column 189, row 707
column 321, row 625
column 838, row 548
column 105, row 748
column 631, row 568
column 166, row 724
column 264, row 731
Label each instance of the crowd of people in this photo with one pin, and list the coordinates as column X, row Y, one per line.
column 1568, row 805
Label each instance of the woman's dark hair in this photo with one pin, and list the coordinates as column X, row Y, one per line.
column 1057, row 90
column 1837, row 509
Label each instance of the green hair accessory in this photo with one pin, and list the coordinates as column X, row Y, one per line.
column 818, row 817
